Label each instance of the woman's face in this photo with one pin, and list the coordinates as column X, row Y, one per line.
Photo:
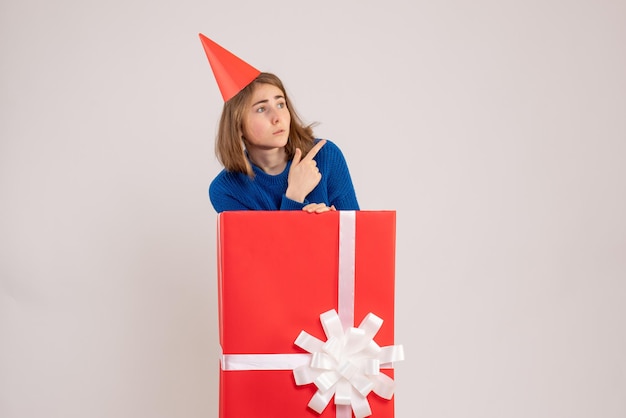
column 266, row 119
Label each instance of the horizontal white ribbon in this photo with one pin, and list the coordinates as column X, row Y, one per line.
column 263, row 361
column 235, row 362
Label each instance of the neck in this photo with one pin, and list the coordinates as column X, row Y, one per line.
column 270, row 161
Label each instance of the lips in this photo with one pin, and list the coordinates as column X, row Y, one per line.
column 280, row 131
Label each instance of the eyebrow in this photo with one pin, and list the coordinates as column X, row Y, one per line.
column 280, row 96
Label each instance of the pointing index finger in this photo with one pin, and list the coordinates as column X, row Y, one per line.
column 314, row 150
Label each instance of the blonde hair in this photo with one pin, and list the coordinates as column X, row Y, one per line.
column 229, row 146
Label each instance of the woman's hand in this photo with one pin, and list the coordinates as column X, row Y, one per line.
column 318, row 208
column 303, row 174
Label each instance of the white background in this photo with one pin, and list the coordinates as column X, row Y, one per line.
column 496, row 129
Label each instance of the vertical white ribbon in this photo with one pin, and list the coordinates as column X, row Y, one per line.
column 346, row 282
column 343, row 411
column 347, row 251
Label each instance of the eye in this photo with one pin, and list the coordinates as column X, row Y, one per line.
column 260, row 109
column 281, row 105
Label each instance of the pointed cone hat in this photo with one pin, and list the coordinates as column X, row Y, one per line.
column 231, row 73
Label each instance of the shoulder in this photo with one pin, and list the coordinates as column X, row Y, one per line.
column 329, row 153
column 230, row 191
column 226, row 180
column 330, row 148
column 222, row 176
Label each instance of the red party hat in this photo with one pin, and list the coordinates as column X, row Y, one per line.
column 231, row 73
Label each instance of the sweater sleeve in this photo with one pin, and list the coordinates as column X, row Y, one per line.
column 341, row 192
column 289, row 204
column 230, row 192
column 223, row 200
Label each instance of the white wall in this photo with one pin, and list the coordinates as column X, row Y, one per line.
column 495, row 129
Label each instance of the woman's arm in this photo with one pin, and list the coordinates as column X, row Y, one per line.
column 341, row 193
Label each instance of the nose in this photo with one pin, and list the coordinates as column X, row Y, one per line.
column 274, row 117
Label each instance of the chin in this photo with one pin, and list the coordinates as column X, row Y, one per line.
column 283, row 141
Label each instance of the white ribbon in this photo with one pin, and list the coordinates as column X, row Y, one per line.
column 347, row 365
column 347, row 253
column 263, row 361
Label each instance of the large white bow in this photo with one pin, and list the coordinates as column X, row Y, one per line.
column 347, row 365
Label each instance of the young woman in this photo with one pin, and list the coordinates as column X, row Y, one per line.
column 271, row 160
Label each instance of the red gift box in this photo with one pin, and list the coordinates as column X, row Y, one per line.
column 277, row 272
